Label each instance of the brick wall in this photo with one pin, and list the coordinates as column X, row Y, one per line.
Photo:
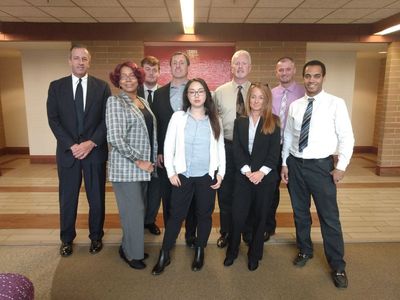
column 265, row 54
column 107, row 54
column 388, row 161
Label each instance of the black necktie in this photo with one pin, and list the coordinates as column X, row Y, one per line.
column 79, row 105
column 239, row 103
column 149, row 97
column 305, row 126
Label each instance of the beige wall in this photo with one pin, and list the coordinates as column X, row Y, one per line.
column 40, row 68
column 13, row 102
column 365, row 98
column 340, row 73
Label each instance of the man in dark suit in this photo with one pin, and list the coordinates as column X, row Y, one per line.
column 76, row 114
column 167, row 100
column 151, row 68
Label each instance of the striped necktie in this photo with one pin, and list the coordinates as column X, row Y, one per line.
column 305, row 126
column 282, row 112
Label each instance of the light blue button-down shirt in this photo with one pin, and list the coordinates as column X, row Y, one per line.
column 197, row 146
column 175, row 96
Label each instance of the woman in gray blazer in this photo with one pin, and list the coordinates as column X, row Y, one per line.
column 131, row 134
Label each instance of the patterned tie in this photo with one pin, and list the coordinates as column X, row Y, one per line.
column 282, row 112
column 149, row 97
column 239, row 103
column 79, row 106
column 305, row 126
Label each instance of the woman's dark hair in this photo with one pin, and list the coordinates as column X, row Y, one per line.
column 209, row 105
column 116, row 74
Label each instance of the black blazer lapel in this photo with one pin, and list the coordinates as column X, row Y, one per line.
column 258, row 139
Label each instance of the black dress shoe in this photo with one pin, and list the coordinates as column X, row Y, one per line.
column 191, row 242
column 153, row 228
column 228, row 261
column 252, row 265
column 66, row 249
column 267, row 236
column 301, row 259
column 222, row 240
column 340, row 279
column 95, row 246
column 198, row 260
column 163, row 261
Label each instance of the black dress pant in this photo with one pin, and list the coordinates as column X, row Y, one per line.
column 254, row 200
column 153, row 200
column 181, row 199
column 166, row 190
column 70, row 181
column 270, row 225
column 225, row 192
column 311, row 177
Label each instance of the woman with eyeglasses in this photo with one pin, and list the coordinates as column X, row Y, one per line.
column 194, row 157
column 256, row 145
column 131, row 134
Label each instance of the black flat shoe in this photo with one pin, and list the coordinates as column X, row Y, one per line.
column 267, row 236
column 198, row 260
column 66, row 249
column 153, row 228
column 228, row 261
column 134, row 263
column 252, row 265
column 95, row 246
column 163, row 261
column 137, row 264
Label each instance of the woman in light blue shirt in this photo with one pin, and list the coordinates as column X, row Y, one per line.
column 194, row 157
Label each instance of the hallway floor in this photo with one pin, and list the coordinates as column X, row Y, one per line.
column 369, row 207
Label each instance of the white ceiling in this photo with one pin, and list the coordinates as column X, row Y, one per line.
column 206, row 11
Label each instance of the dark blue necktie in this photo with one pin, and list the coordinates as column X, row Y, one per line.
column 305, row 126
column 79, row 106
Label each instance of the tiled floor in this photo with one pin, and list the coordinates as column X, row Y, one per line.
column 369, row 205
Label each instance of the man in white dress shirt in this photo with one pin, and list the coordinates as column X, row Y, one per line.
column 318, row 126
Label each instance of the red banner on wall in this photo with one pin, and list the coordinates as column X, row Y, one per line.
column 212, row 63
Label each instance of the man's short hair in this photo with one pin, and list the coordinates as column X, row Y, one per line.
column 180, row 53
column 285, row 58
column 241, row 52
column 151, row 61
column 78, row 46
column 315, row 63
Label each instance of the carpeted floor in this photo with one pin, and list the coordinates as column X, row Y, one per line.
column 373, row 270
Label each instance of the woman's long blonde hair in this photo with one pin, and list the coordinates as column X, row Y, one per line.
column 270, row 120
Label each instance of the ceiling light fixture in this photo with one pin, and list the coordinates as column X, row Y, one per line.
column 389, row 30
column 187, row 10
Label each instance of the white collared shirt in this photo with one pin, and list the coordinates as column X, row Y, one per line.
column 252, row 135
column 330, row 130
column 75, row 81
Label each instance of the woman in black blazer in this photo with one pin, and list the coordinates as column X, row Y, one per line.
column 256, row 142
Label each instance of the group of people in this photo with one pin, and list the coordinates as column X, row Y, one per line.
column 183, row 144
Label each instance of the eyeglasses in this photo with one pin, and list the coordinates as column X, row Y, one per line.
column 193, row 93
column 126, row 78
